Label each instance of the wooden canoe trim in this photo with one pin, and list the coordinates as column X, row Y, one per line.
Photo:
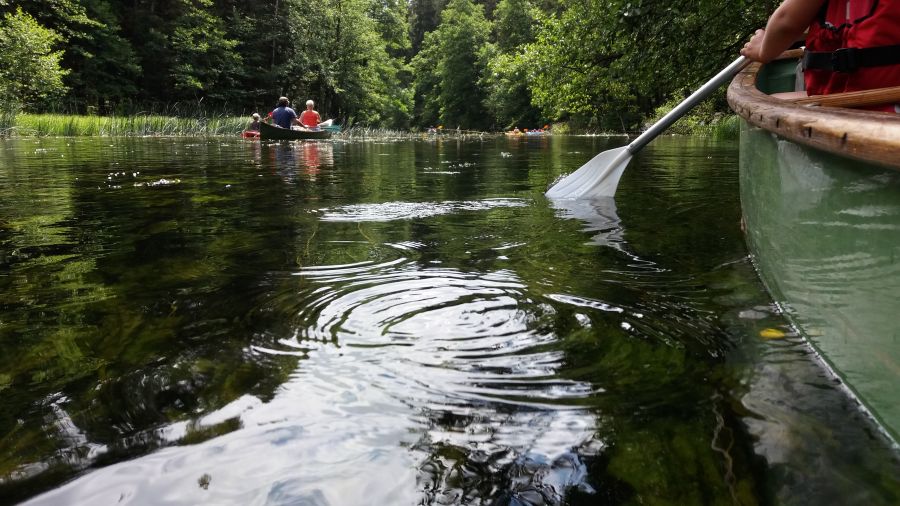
column 862, row 135
column 854, row 98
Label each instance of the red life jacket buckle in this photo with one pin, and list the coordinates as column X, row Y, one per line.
column 844, row 60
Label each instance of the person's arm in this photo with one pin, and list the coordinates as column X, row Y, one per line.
column 785, row 26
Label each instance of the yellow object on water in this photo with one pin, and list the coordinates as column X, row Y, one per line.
column 771, row 334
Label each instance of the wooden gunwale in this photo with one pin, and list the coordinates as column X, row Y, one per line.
column 862, row 135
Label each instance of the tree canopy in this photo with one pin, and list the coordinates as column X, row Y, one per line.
column 475, row 64
column 29, row 67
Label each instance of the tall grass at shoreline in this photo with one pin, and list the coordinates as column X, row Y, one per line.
column 120, row 126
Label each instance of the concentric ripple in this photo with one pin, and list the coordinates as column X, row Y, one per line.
column 469, row 354
column 451, row 333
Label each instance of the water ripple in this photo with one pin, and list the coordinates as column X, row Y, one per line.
column 391, row 211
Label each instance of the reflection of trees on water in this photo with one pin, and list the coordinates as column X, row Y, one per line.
column 119, row 331
column 489, row 354
column 221, row 318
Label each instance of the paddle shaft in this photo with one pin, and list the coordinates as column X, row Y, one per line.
column 672, row 116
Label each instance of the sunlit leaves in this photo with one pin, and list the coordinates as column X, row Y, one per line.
column 29, row 67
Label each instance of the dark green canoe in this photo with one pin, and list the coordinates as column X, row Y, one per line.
column 820, row 193
column 269, row 132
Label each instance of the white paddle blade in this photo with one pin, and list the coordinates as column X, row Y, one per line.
column 326, row 123
column 597, row 178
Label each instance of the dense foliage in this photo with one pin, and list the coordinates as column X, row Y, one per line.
column 29, row 67
column 604, row 64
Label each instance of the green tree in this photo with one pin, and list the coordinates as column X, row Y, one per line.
column 427, row 82
column 454, row 58
column 29, row 67
column 106, row 69
column 609, row 62
column 392, row 23
column 337, row 55
column 507, row 78
column 101, row 63
column 509, row 93
column 424, row 16
column 203, row 57
column 514, row 24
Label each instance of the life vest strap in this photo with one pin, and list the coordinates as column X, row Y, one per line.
column 848, row 59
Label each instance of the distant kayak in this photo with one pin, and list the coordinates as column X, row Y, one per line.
column 250, row 134
column 515, row 133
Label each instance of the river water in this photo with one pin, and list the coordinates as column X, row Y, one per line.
column 215, row 321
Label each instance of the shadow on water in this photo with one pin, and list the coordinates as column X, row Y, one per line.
column 222, row 322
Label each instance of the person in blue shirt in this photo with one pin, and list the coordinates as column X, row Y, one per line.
column 283, row 115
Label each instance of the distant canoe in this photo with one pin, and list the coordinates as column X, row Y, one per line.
column 269, row 132
column 250, row 134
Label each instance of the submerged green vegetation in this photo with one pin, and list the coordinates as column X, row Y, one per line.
column 595, row 65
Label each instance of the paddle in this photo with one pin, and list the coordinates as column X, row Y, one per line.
column 600, row 176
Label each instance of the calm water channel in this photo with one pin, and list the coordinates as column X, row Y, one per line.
column 213, row 321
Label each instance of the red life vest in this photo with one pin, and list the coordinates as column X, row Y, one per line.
column 310, row 118
column 855, row 24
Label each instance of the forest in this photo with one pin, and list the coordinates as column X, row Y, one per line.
column 399, row 64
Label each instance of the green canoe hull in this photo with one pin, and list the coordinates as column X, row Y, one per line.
column 820, row 193
column 824, row 233
column 269, row 132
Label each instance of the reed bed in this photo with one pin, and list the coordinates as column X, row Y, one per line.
column 7, row 120
column 120, row 126
column 728, row 127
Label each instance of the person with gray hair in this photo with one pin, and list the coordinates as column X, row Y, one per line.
column 254, row 123
column 310, row 118
column 283, row 115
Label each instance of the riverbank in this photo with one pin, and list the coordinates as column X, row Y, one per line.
column 142, row 125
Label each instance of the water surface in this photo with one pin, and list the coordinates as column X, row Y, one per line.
column 214, row 321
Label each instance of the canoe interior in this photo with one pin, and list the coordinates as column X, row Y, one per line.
column 777, row 77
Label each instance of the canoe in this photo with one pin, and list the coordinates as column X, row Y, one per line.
column 250, row 134
column 269, row 132
column 820, row 196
